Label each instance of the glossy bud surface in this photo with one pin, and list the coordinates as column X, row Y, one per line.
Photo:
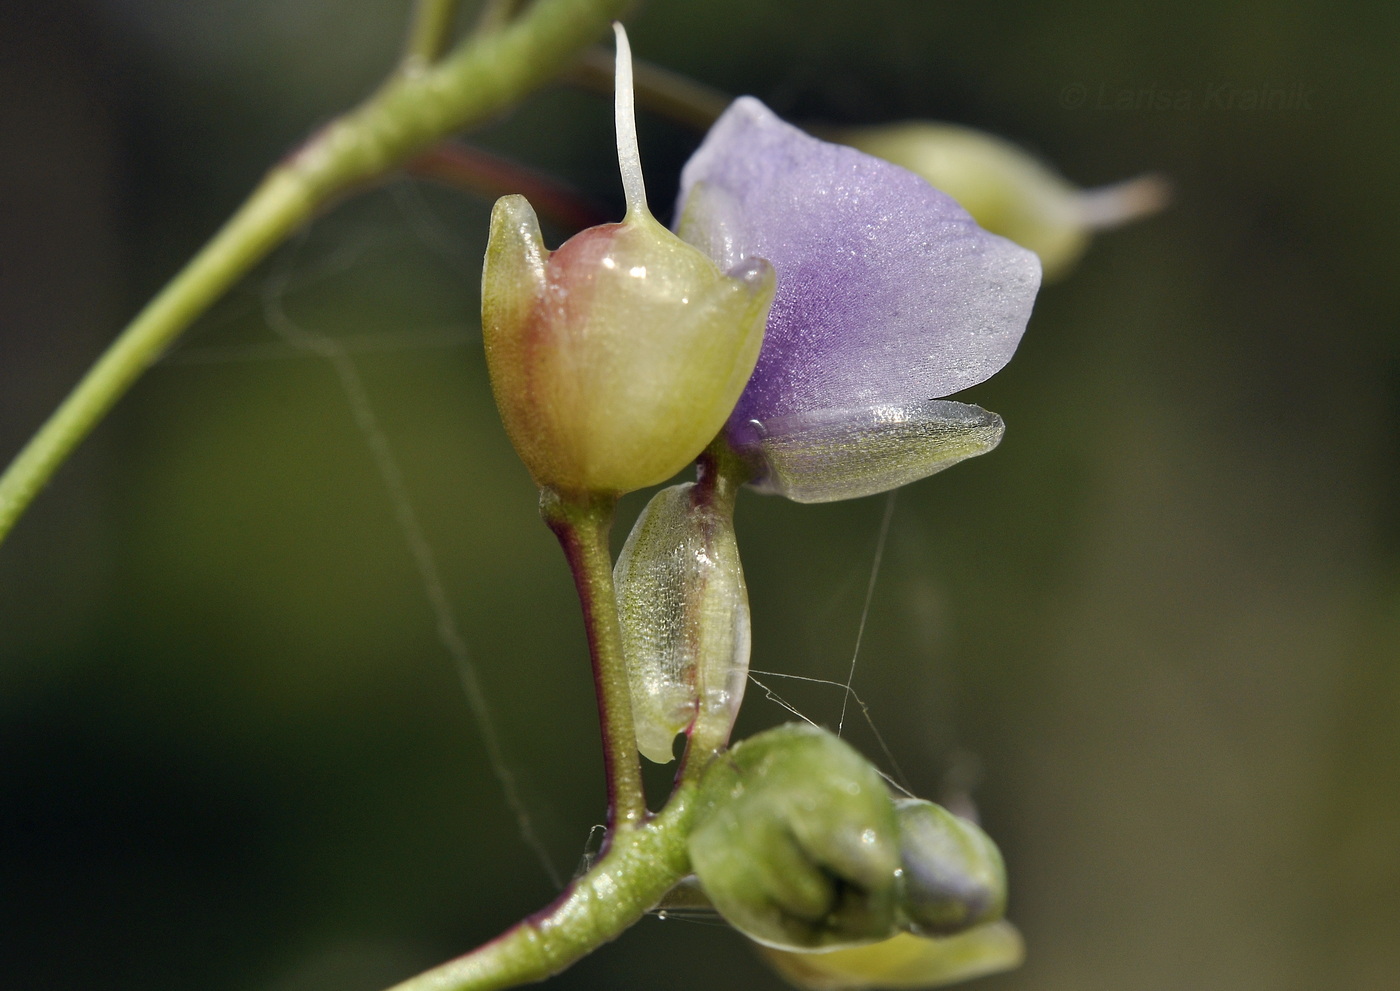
column 617, row 358
column 953, row 874
column 796, row 842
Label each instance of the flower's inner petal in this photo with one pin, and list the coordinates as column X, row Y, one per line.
column 711, row 222
column 835, row 454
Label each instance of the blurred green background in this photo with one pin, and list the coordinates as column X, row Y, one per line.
column 1156, row 633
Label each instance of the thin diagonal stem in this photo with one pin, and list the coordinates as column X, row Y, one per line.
column 582, row 524
column 495, row 14
column 465, row 166
column 430, row 33
column 411, row 111
column 637, row 870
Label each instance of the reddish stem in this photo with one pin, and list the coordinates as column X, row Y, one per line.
column 463, row 166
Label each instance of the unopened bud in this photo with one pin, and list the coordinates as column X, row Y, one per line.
column 953, row 874
column 796, row 842
column 1009, row 191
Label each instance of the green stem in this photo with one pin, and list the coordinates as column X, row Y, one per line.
column 414, row 109
column 496, row 14
column 637, row 870
column 430, row 34
column 582, row 524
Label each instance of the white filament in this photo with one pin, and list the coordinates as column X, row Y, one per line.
column 629, row 161
column 1112, row 206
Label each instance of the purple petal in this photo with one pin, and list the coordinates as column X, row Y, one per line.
column 888, row 292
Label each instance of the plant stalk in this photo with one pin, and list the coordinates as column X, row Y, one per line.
column 430, row 33
column 582, row 524
column 631, row 878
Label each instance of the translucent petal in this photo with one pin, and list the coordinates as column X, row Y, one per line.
column 685, row 620
column 834, row 454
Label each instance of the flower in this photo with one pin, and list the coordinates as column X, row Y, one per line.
column 889, row 297
column 615, row 359
column 798, row 844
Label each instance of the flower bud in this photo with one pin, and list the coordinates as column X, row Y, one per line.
column 953, row 874
column 904, row 961
column 685, row 620
column 795, row 841
column 1007, row 190
column 616, row 358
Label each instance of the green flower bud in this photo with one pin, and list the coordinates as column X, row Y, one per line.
column 904, row 961
column 1007, row 190
column 796, row 841
column 685, row 620
column 953, row 874
column 618, row 357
